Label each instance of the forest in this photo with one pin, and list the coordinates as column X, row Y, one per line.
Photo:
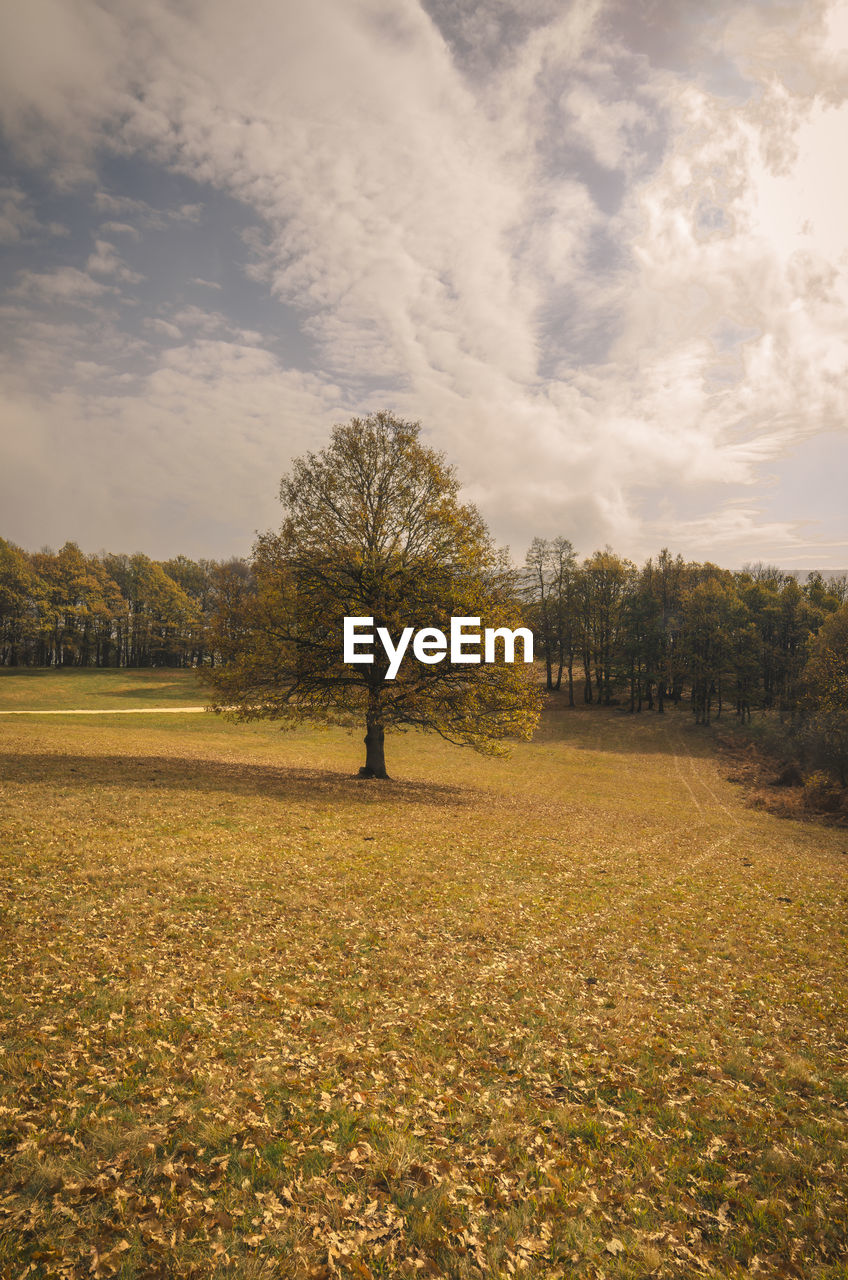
column 607, row 631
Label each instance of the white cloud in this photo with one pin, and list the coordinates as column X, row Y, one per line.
column 61, row 65
column 65, row 284
column 119, row 228
column 428, row 216
column 145, row 216
column 164, row 327
column 106, row 202
column 106, row 261
column 190, row 460
column 207, row 322
column 602, row 125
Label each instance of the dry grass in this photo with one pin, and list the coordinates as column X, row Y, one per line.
column 579, row 1013
column 772, row 784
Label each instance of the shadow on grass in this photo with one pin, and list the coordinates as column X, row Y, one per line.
column 9, row 673
column 180, row 690
column 278, row 782
column 614, row 730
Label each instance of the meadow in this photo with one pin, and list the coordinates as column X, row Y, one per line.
column 580, row 1012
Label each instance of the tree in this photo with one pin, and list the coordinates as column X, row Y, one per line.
column 158, row 622
column 233, row 588
column 373, row 528
column 17, row 590
column 711, row 614
column 667, row 580
column 641, row 638
column 826, row 687
column 606, row 582
column 74, row 605
column 197, row 580
column 538, row 594
column 549, row 588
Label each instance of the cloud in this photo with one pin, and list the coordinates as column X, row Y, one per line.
column 164, row 327
column 145, row 216
column 106, row 261
column 15, row 217
column 61, row 65
column 106, row 202
column 120, row 228
column 593, row 260
column 65, row 284
column 602, row 126
column 207, row 322
column 189, row 459
column 18, row 221
column 197, row 323
column 726, row 529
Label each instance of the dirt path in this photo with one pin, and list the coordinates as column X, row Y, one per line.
column 115, row 711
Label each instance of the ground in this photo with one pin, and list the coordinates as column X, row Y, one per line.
column 576, row 1013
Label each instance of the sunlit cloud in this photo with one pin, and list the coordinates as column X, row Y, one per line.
column 597, row 262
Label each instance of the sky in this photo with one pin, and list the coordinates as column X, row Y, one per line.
column 599, row 251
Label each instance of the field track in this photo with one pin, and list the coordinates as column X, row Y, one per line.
column 100, row 711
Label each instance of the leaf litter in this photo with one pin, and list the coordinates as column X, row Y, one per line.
column 274, row 1029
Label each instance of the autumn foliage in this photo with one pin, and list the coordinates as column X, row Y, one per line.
column 374, row 527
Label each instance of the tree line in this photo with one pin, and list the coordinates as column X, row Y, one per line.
column 740, row 638
column 607, row 631
column 69, row 609
column 374, row 526
column 731, row 641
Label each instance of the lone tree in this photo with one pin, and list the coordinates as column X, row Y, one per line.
column 374, row 528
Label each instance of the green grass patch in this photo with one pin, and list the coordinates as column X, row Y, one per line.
column 65, row 688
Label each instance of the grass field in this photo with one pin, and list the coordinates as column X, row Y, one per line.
column 577, row 1013
column 110, row 689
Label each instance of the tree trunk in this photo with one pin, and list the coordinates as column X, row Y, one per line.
column 375, row 755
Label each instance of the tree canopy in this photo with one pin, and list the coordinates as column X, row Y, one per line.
column 374, row 528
